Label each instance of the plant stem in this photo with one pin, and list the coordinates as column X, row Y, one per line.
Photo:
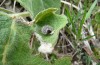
column 67, row 39
column 69, row 4
column 17, row 15
column 47, row 57
column 2, row 2
column 14, row 5
column 5, row 10
column 20, row 16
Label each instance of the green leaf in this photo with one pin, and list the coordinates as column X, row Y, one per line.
column 81, row 26
column 14, row 43
column 90, row 10
column 57, row 22
column 4, row 33
column 97, row 18
column 35, row 6
column 88, row 37
column 63, row 61
column 44, row 13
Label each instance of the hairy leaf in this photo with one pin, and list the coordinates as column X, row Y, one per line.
column 14, row 43
column 63, row 61
column 57, row 22
column 35, row 6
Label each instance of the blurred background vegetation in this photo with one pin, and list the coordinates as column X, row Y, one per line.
column 80, row 38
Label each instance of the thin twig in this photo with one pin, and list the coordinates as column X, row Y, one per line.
column 5, row 10
column 67, row 39
column 63, row 8
column 17, row 15
column 25, row 22
column 69, row 4
column 47, row 57
column 2, row 2
column 14, row 5
column 20, row 16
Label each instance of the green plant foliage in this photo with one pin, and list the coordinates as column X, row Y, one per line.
column 4, row 33
column 14, row 43
column 97, row 18
column 63, row 61
column 98, row 63
column 15, row 37
column 44, row 13
column 35, row 6
column 54, row 20
column 90, row 10
column 96, row 51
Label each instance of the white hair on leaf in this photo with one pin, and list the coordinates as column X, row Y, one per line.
column 46, row 48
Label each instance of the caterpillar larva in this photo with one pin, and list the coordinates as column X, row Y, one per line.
column 47, row 29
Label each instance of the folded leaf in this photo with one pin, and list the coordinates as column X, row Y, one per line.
column 57, row 22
